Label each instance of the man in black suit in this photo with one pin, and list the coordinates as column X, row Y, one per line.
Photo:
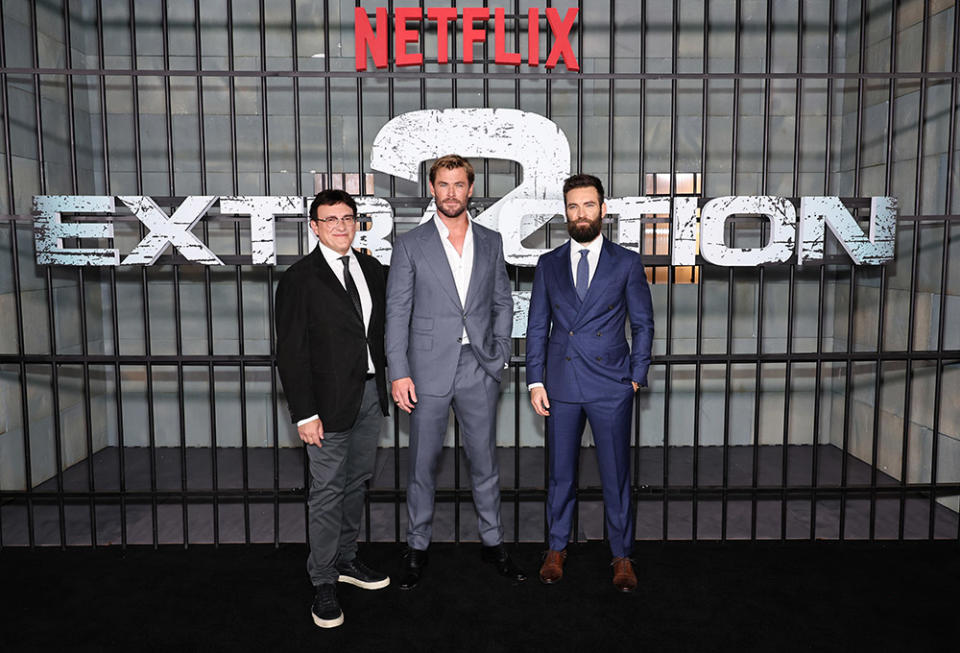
column 330, row 325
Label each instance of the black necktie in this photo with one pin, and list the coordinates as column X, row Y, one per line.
column 351, row 286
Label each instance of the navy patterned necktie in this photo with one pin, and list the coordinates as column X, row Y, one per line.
column 583, row 274
column 351, row 286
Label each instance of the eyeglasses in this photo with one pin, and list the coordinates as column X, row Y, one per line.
column 333, row 221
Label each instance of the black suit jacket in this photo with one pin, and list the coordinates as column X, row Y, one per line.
column 321, row 343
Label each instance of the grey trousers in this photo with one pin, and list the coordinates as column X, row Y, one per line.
column 474, row 399
column 338, row 470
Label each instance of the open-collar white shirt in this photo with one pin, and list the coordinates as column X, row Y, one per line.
column 461, row 265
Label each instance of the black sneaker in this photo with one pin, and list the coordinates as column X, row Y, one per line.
column 357, row 573
column 326, row 610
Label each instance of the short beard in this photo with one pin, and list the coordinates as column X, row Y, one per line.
column 440, row 208
column 584, row 234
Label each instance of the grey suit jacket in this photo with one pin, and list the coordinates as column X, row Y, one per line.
column 425, row 320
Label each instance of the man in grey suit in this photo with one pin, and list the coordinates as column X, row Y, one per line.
column 449, row 318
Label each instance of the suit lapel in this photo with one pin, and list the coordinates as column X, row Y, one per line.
column 481, row 250
column 563, row 276
column 605, row 266
column 435, row 258
column 329, row 280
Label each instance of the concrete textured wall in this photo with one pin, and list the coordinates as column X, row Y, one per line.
column 885, row 419
column 152, row 174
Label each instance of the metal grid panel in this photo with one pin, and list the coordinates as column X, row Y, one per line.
column 686, row 493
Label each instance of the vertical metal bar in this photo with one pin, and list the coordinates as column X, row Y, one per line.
column 911, row 326
column 207, row 283
column 85, row 367
column 671, row 278
column 791, row 308
column 758, row 379
column 151, row 427
column 298, row 163
column 921, row 116
column 878, row 369
column 851, row 307
column 695, row 274
column 814, row 467
column 51, row 318
column 734, row 133
column 114, row 311
column 244, row 453
column 265, row 113
column 177, row 315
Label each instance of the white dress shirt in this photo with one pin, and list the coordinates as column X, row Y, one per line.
column 593, row 258
column 461, row 265
column 366, row 301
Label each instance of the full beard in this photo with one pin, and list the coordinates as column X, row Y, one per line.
column 455, row 212
column 584, row 233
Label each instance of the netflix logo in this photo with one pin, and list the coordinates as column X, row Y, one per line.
column 473, row 29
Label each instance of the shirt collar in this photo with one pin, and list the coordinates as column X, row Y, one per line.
column 594, row 245
column 445, row 232
column 333, row 257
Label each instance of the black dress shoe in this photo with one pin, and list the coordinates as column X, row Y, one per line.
column 501, row 559
column 414, row 560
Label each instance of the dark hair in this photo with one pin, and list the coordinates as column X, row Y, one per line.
column 582, row 181
column 330, row 197
column 451, row 162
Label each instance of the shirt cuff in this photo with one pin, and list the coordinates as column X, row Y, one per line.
column 534, row 385
column 308, row 420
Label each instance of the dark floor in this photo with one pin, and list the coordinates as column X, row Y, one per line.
column 702, row 597
column 258, row 521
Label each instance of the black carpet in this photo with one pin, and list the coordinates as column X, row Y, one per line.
column 693, row 597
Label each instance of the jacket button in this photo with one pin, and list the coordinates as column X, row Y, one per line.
column 599, row 334
column 599, row 358
column 556, row 305
column 568, row 358
column 571, row 333
column 610, row 307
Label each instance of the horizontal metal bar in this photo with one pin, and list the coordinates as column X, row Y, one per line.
column 461, row 75
column 265, row 360
column 385, row 495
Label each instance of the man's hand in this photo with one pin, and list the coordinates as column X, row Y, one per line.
column 636, row 386
column 312, row 432
column 404, row 393
column 540, row 402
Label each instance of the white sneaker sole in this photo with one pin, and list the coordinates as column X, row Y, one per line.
column 327, row 623
column 362, row 584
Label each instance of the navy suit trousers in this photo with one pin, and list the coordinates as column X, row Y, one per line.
column 610, row 422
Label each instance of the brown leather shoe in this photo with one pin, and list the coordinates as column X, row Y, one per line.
column 623, row 577
column 551, row 571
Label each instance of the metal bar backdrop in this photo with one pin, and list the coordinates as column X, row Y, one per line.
column 682, row 497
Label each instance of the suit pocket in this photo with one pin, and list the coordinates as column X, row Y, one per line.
column 418, row 323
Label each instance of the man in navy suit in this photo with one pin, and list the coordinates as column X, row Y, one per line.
column 580, row 367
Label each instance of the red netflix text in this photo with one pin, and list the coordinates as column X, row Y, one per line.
column 473, row 29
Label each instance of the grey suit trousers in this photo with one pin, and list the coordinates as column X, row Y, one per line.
column 474, row 398
column 338, row 471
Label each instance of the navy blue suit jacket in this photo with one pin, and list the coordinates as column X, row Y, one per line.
column 579, row 350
